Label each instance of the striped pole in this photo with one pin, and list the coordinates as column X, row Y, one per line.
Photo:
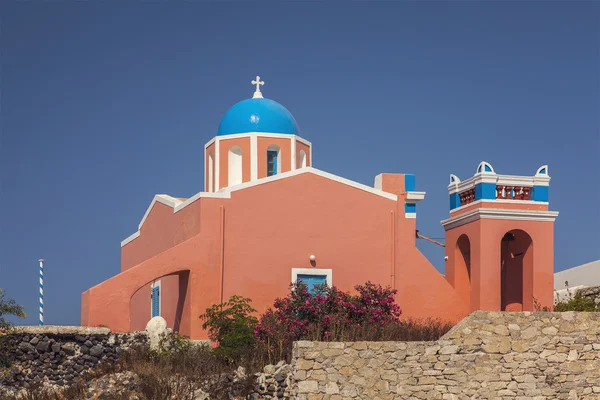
column 41, row 292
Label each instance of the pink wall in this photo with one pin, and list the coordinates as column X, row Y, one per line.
column 161, row 231
column 302, row 146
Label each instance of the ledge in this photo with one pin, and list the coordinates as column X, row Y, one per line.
column 61, row 330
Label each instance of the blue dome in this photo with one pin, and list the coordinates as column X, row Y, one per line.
column 258, row 115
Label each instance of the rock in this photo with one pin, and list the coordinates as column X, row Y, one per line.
column 34, row 341
column 26, row 347
column 96, row 351
column 42, row 347
column 156, row 329
column 55, row 347
column 270, row 369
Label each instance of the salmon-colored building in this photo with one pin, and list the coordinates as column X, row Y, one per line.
column 267, row 218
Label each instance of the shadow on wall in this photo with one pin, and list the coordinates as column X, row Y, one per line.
column 172, row 303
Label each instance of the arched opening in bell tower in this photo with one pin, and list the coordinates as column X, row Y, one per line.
column 462, row 260
column 516, row 269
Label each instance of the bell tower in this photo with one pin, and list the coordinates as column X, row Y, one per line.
column 500, row 240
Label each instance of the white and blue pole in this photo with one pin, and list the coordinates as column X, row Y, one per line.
column 41, row 292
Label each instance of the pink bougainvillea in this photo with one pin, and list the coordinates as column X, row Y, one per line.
column 326, row 314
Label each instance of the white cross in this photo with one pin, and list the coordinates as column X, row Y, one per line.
column 257, row 93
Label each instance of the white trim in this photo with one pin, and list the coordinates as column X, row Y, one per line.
column 161, row 198
column 378, row 182
column 314, row 171
column 414, row 197
column 273, row 135
column 253, row 157
column 313, row 271
column 303, row 141
column 225, row 193
column 217, row 164
column 481, row 168
column 156, row 284
column 410, row 215
column 510, row 180
column 310, row 164
column 211, row 141
column 496, row 213
column 539, row 170
column 293, row 150
column 130, row 238
column 501, row 201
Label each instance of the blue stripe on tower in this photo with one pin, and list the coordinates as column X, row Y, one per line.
column 409, row 182
column 485, row 191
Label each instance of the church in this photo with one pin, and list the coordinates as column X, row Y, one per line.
column 267, row 217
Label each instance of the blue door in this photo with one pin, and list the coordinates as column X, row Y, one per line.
column 312, row 280
column 155, row 301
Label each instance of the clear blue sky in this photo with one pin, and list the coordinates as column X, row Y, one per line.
column 105, row 104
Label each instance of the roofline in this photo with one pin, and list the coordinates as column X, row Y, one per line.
column 273, row 135
column 225, row 193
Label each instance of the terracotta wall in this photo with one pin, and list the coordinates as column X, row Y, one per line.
column 485, row 236
column 248, row 245
column 301, row 146
column 161, row 231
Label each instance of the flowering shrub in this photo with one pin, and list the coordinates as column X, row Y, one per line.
column 231, row 325
column 325, row 314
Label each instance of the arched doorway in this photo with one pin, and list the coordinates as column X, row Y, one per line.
column 172, row 291
column 516, row 269
column 462, row 268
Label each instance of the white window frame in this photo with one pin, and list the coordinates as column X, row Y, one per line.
column 313, row 271
column 156, row 284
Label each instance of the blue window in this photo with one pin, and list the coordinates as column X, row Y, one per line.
column 155, row 301
column 271, row 162
column 312, row 280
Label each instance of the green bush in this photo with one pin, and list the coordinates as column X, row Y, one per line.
column 7, row 307
column 231, row 325
column 575, row 302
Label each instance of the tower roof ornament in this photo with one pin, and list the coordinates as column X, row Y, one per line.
column 257, row 93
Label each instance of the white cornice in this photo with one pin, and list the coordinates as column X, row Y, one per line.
column 510, row 180
column 498, row 213
column 273, row 135
column 502, row 201
column 414, row 197
column 225, row 193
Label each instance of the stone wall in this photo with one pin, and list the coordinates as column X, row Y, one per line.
column 56, row 355
column 488, row 355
